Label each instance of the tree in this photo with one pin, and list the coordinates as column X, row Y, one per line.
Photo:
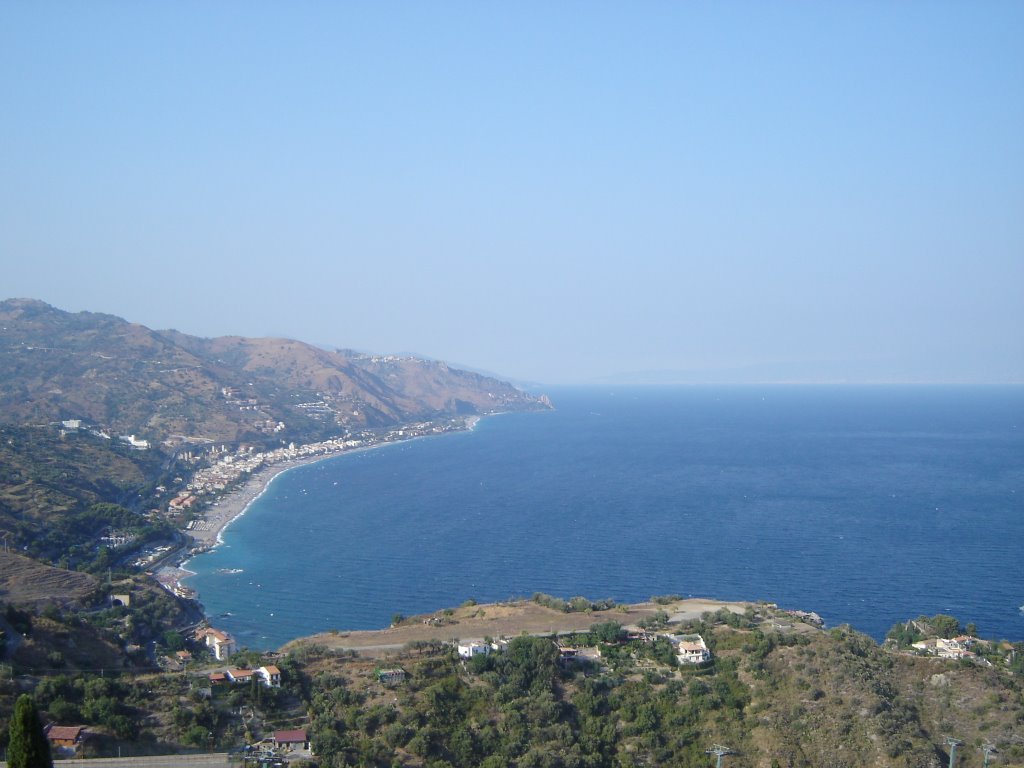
column 945, row 626
column 608, row 631
column 28, row 747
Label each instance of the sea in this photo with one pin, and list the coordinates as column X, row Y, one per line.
column 868, row 505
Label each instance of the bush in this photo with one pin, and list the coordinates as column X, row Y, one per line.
column 665, row 599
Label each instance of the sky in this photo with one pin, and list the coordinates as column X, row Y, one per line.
column 568, row 192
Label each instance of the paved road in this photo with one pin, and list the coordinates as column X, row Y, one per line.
column 210, row 760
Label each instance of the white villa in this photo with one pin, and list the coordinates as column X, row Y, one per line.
column 221, row 643
column 473, row 648
column 690, row 649
column 270, row 676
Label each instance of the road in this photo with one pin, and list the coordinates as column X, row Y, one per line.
column 209, row 760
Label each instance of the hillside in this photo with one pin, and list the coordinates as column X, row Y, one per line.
column 26, row 582
column 172, row 388
column 94, row 411
column 776, row 692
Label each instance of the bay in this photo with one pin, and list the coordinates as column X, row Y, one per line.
column 869, row 505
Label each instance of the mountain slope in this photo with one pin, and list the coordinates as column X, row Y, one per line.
column 169, row 386
column 72, row 384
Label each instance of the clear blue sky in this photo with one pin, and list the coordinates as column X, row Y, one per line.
column 556, row 192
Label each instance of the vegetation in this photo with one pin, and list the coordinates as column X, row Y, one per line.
column 778, row 693
column 797, row 696
column 574, row 604
column 27, row 746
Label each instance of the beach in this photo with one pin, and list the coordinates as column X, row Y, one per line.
column 207, row 532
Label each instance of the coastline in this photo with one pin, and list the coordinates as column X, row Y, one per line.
column 219, row 516
column 207, row 532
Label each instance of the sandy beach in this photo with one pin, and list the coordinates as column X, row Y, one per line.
column 218, row 516
column 207, row 532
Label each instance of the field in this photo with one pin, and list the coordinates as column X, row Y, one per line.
column 505, row 620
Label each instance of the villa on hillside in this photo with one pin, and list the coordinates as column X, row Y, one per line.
column 474, row 648
column 221, row 643
column 270, row 676
column 690, row 649
column 239, row 675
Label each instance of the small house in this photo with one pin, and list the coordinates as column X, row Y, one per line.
column 239, row 676
column 690, row 649
column 391, row 676
column 470, row 649
column 291, row 739
column 65, row 739
column 270, row 676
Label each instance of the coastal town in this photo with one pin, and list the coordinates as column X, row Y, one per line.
column 225, row 469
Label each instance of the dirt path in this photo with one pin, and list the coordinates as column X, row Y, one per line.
column 504, row 620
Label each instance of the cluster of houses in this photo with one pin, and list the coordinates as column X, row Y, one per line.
column 268, row 675
column 953, row 648
column 222, row 645
column 228, row 468
column 690, row 649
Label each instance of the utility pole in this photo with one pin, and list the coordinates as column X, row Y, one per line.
column 718, row 750
column 988, row 749
column 953, row 744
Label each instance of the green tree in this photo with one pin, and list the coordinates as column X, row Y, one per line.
column 945, row 626
column 27, row 747
column 608, row 631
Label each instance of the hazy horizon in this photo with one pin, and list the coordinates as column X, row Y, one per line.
column 577, row 193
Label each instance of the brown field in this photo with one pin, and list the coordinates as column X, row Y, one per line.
column 505, row 620
column 27, row 582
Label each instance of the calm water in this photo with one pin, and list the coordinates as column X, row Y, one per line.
column 867, row 505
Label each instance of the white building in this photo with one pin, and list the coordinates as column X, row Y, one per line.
column 270, row 676
column 955, row 648
column 134, row 442
column 221, row 643
column 474, row 648
column 690, row 649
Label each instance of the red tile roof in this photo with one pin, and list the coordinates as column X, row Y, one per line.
column 289, row 737
column 64, row 732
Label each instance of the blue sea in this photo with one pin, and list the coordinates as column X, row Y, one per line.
column 869, row 505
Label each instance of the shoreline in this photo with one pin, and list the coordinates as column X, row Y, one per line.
column 217, row 517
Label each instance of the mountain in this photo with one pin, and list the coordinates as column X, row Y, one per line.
column 81, row 392
column 170, row 387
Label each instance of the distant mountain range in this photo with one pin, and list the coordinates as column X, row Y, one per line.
column 167, row 386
